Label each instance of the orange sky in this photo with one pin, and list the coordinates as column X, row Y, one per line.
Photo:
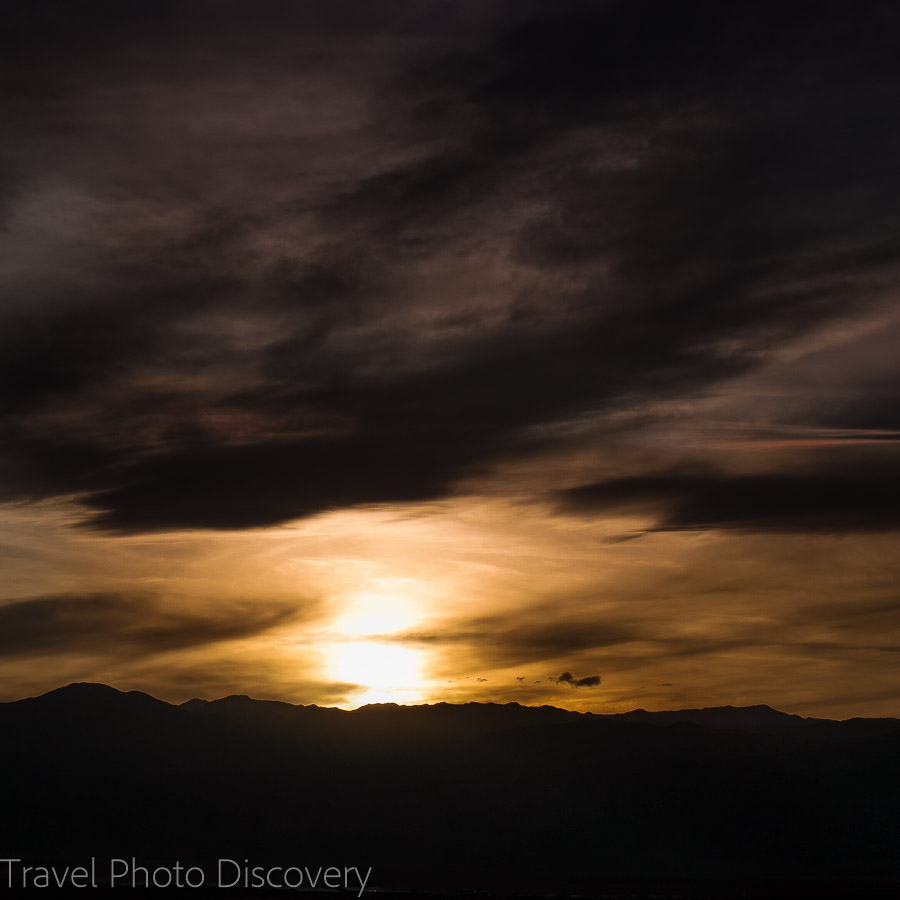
column 461, row 351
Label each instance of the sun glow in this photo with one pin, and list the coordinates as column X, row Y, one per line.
column 381, row 667
column 361, row 650
column 371, row 613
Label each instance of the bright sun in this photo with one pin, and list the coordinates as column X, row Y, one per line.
column 363, row 654
column 379, row 666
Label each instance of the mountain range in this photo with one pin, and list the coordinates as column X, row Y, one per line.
column 499, row 797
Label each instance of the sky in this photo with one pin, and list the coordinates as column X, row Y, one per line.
column 462, row 350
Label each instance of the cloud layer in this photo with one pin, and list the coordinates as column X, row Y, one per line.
column 314, row 262
column 122, row 626
column 836, row 501
column 444, row 305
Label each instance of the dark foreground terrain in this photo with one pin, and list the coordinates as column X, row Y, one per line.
column 507, row 800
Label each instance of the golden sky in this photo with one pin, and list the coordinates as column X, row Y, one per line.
column 473, row 351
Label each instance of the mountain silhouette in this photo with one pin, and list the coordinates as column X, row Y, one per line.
column 445, row 797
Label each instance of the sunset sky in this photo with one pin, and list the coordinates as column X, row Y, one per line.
column 420, row 350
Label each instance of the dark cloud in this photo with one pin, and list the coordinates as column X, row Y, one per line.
column 297, row 269
column 570, row 679
column 126, row 624
column 856, row 498
column 541, row 635
column 264, row 484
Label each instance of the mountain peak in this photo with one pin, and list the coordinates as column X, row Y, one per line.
column 84, row 688
column 93, row 696
column 195, row 703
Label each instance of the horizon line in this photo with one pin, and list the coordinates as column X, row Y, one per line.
column 516, row 703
